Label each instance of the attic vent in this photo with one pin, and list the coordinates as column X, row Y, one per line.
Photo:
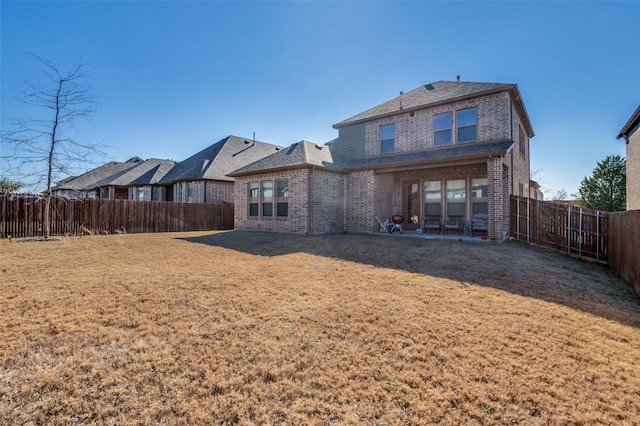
column 430, row 87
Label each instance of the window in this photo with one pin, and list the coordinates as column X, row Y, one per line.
column 267, row 198
column 456, row 196
column 387, row 138
column 140, row 194
column 254, row 198
column 521, row 141
column 479, row 195
column 282, row 198
column 442, row 129
column 262, row 199
column 432, row 194
column 189, row 193
column 467, row 120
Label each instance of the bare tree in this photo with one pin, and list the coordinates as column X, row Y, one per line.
column 40, row 149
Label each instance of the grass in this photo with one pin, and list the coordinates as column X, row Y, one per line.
column 258, row 328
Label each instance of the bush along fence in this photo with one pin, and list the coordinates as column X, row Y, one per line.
column 23, row 216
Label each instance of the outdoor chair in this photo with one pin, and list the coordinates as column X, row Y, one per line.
column 454, row 223
column 385, row 226
column 479, row 223
column 432, row 223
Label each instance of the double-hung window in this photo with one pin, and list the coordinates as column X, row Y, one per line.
column 456, row 197
column 442, row 129
column 254, row 199
column 267, row 198
column 467, row 125
column 282, row 198
column 432, row 192
column 479, row 195
column 387, row 138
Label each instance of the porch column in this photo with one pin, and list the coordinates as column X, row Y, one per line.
column 496, row 220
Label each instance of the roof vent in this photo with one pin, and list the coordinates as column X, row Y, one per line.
column 430, row 87
column 246, row 142
column 318, row 146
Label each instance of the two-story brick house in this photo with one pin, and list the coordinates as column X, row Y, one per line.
column 446, row 151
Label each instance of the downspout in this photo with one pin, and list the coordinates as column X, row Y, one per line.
column 306, row 225
column 344, row 204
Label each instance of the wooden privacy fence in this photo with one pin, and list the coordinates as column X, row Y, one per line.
column 23, row 216
column 624, row 246
column 574, row 230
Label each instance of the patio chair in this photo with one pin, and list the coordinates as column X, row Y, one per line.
column 385, row 226
column 479, row 223
column 454, row 223
column 432, row 223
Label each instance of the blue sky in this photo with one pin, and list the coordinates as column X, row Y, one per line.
column 173, row 77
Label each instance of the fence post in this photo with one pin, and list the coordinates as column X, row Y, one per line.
column 528, row 220
column 518, row 218
column 580, row 235
column 569, row 230
column 598, row 235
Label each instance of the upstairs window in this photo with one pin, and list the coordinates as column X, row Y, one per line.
column 521, row 141
column 467, row 123
column 442, row 129
column 387, row 138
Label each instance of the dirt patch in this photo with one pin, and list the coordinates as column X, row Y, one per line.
column 261, row 328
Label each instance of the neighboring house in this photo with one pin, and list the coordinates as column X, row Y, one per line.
column 444, row 152
column 202, row 178
column 140, row 183
column 631, row 134
column 534, row 191
column 94, row 183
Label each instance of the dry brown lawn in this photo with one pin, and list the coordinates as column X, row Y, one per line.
column 259, row 328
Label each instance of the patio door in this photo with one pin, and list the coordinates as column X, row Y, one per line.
column 412, row 204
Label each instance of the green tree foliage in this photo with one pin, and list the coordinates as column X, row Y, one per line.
column 606, row 188
column 7, row 185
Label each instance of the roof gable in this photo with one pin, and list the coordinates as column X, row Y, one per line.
column 100, row 176
column 631, row 125
column 437, row 93
column 299, row 155
column 217, row 160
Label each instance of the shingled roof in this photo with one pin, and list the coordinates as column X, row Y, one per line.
column 147, row 173
column 630, row 125
column 437, row 93
column 218, row 160
column 299, row 155
column 98, row 177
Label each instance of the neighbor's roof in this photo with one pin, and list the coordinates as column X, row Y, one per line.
column 462, row 153
column 99, row 176
column 218, row 160
column 147, row 173
column 299, row 155
column 438, row 93
column 631, row 124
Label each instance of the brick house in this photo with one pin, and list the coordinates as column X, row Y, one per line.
column 446, row 153
column 631, row 134
column 202, row 178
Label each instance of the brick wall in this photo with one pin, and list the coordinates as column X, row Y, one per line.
column 360, row 209
column 219, row 192
column 298, row 218
column 326, row 202
column 414, row 133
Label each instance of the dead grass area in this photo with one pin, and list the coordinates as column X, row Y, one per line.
column 258, row 328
